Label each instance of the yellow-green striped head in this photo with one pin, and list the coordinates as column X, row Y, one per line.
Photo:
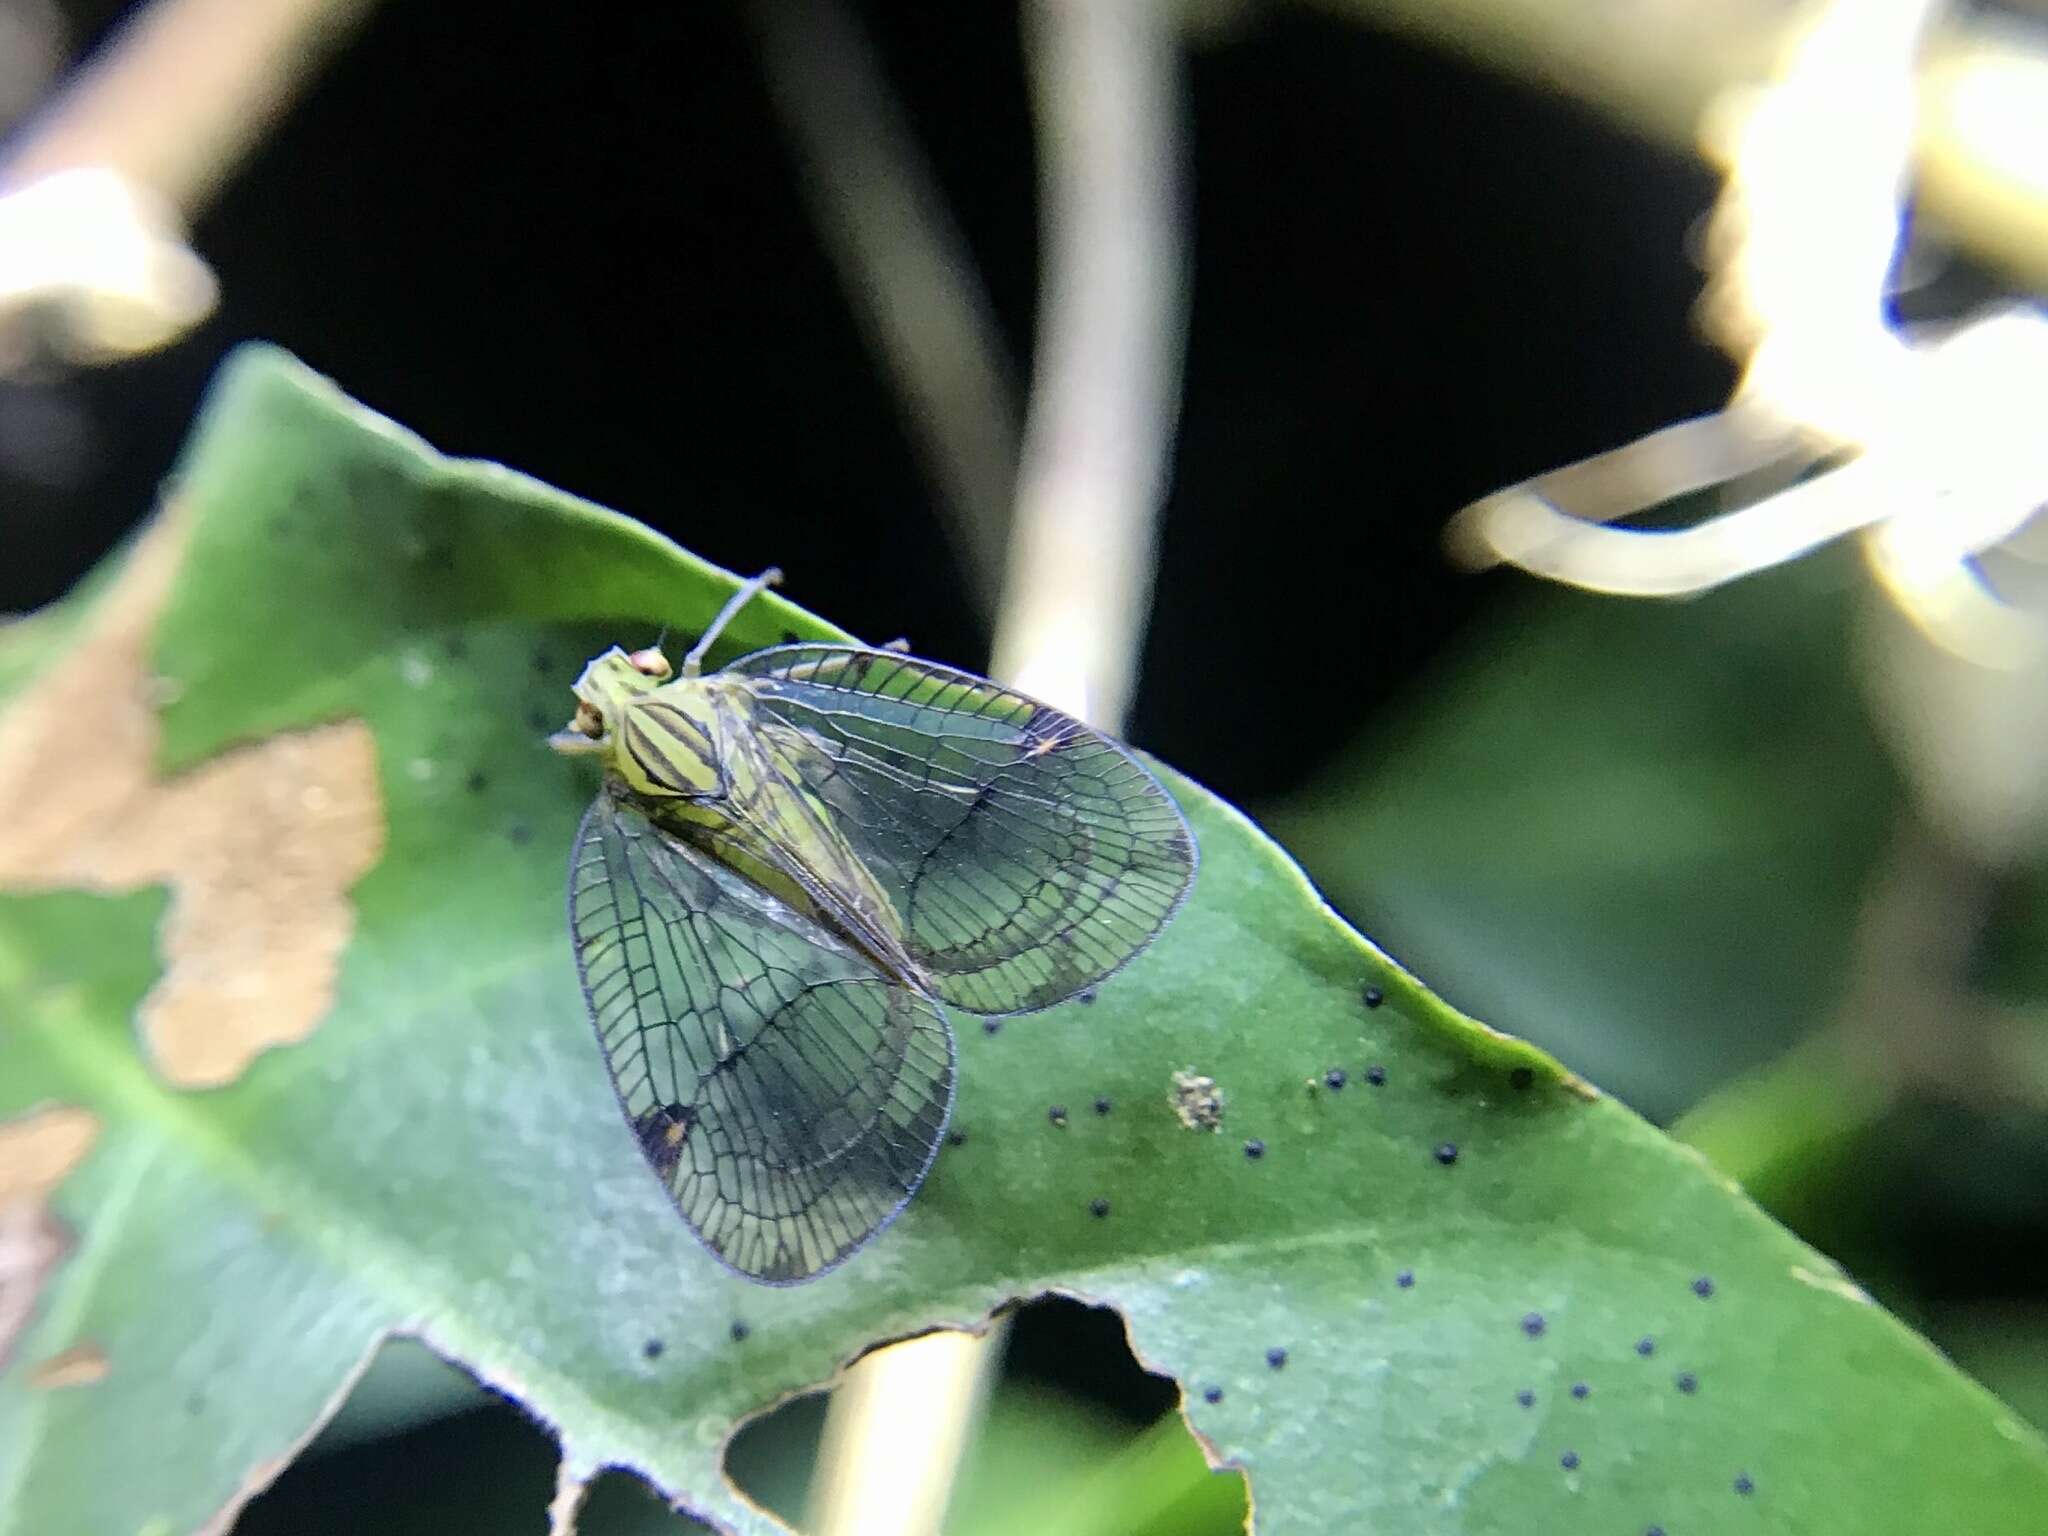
column 657, row 734
column 607, row 685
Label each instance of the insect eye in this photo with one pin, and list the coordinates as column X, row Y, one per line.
column 587, row 720
column 650, row 663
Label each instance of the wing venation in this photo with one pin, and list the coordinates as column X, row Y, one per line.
column 788, row 1094
column 1027, row 855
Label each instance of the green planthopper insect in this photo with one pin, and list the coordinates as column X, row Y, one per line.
column 793, row 865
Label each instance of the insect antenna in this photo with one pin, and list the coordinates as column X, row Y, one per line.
column 694, row 662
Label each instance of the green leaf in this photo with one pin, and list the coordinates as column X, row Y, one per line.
column 442, row 1156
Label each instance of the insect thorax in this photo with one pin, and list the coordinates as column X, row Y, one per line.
column 666, row 744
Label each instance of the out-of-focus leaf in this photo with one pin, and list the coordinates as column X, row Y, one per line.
column 1641, row 831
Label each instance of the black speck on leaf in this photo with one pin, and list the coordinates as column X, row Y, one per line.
column 1335, row 1077
column 956, row 1137
column 1569, row 1461
column 791, row 637
column 991, row 1026
column 1447, row 1153
column 1703, row 1287
column 1212, row 1395
column 520, row 833
column 477, row 781
column 1103, row 1106
column 1058, row 1115
column 1276, row 1357
column 1646, row 1347
column 1526, row 1398
column 1405, row 1279
column 1098, row 1207
column 739, row 1332
column 1255, row 1149
column 652, row 1349
column 1521, row 1078
column 1085, row 997
column 1533, row 1325
column 1374, row 997
column 1376, row 1075
column 1743, row 1484
column 1688, row 1383
column 1581, row 1391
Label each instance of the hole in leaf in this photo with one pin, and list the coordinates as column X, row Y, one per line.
column 621, row 1504
column 1070, row 1410
column 417, row 1446
column 771, row 1458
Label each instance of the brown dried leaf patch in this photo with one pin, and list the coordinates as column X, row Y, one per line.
column 79, row 1366
column 259, row 846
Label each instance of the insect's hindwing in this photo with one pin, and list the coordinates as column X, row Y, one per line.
column 1025, row 855
column 789, row 1095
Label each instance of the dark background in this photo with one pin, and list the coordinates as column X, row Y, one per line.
column 577, row 246
column 571, row 239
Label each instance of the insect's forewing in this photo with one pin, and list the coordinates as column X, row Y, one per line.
column 1026, row 854
column 790, row 1096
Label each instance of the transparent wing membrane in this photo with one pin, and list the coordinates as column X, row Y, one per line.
column 789, row 1094
column 1027, row 855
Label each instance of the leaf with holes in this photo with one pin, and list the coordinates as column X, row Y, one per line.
column 281, row 951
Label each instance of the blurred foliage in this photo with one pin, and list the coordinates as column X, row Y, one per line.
column 1668, row 840
column 1406, row 1283
column 1640, row 830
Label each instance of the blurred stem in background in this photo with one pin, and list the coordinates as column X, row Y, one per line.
column 98, row 187
column 1076, row 581
column 1106, row 380
column 905, row 267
